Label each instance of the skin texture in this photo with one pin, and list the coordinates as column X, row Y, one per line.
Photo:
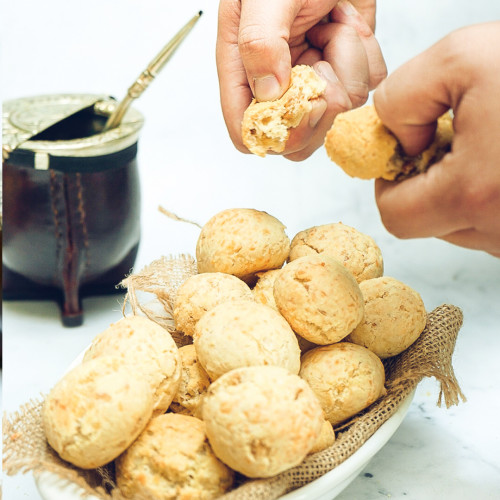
column 457, row 199
column 258, row 42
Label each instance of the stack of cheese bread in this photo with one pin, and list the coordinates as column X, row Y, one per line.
column 287, row 343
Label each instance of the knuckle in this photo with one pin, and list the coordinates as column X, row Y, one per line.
column 252, row 40
column 377, row 77
column 358, row 92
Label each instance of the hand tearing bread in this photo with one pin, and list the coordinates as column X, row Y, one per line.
column 266, row 125
column 363, row 147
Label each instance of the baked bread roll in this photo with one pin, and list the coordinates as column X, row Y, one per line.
column 345, row 377
column 266, row 125
column 193, row 386
column 325, row 439
column 150, row 351
column 394, row 317
column 363, row 147
column 319, row 298
column 261, row 420
column 358, row 252
column 172, row 460
column 96, row 411
column 242, row 242
column 263, row 293
column 244, row 333
column 263, row 289
column 201, row 292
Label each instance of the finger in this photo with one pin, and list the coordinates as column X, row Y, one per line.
column 301, row 136
column 367, row 8
column 263, row 44
column 235, row 94
column 428, row 204
column 410, row 108
column 335, row 99
column 343, row 49
column 345, row 13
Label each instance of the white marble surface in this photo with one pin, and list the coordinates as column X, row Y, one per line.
column 189, row 166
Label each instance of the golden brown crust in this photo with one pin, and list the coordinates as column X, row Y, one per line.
column 325, row 439
column 193, row 386
column 149, row 348
column 261, row 420
column 345, row 377
column 171, row 460
column 358, row 252
column 242, row 242
column 244, row 333
column 394, row 317
column 363, row 147
column 266, row 125
column 96, row 411
column 319, row 298
column 202, row 292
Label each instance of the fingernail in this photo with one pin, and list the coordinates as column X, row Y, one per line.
column 326, row 72
column 346, row 7
column 317, row 112
column 267, row 88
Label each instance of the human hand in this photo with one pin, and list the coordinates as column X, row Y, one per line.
column 457, row 199
column 259, row 41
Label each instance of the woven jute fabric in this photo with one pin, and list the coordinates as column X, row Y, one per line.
column 25, row 447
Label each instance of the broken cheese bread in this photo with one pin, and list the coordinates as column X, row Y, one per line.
column 266, row 125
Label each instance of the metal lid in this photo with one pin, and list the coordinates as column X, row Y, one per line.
column 26, row 118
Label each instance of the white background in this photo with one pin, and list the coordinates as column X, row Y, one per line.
column 188, row 165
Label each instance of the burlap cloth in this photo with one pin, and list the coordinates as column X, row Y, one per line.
column 25, row 448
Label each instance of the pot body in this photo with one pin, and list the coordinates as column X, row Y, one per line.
column 71, row 205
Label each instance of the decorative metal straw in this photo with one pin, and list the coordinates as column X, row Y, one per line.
column 149, row 74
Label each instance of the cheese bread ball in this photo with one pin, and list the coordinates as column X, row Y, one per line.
column 319, row 298
column 345, row 377
column 261, row 420
column 363, row 147
column 96, row 411
column 325, row 439
column 201, row 292
column 358, row 252
column 263, row 289
column 394, row 317
column 194, row 383
column 244, row 333
column 149, row 349
column 172, row 460
column 263, row 292
column 242, row 242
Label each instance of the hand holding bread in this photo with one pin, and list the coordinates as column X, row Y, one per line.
column 258, row 44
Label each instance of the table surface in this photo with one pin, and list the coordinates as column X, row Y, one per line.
column 189, row 166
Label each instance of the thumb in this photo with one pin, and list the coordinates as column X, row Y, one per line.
column 263, row 44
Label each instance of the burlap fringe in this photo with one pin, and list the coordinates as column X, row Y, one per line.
column 161, row 278
column 25, row 447
column 427, row 359
column 175, row 217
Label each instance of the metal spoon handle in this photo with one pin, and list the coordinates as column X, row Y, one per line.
column 149, row 74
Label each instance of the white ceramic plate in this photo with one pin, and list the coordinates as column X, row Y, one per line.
column 327, row 487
